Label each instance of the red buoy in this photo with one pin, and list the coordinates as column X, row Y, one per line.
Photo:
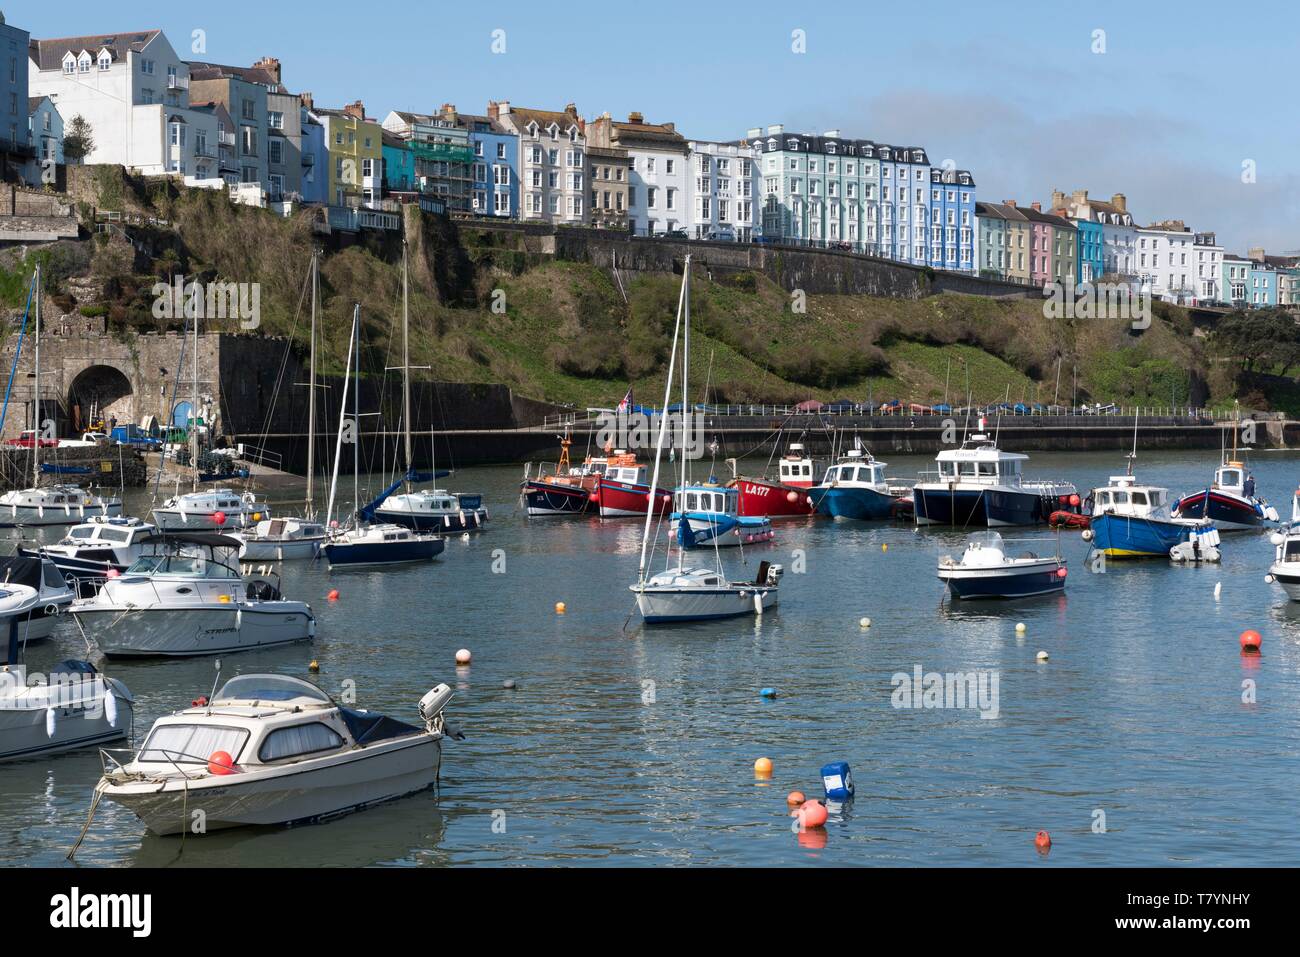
column 1043, row 841
column 220, row 762
column 199, row 702
column 333, row 595
column 1250, row 641
column 812, row 814
column 1074, row 500
column 219, row 518
column 792, row 497
column 1061, row 572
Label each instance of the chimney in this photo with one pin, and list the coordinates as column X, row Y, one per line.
column 271, row 65
column 1058, row 199
column 635, row 117
column 306, row 100
column 449, row 109
column 571, row 108
column 356, row 109
column 1080, row 196
column 1120, row 202
column 754, row 133
column 1256, row 253
column 670, row 127
column 1037, row 206
column 776, row 130
column 1009, row 202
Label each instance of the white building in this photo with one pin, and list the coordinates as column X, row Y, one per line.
column 659, row 185
column 1174, row 264
column 133, row 90
column 552, row 162
column 725, row 191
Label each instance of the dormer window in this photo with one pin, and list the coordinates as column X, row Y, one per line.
column 105, row 60
column 69, row 63
column 554, row 131
column 83, row 63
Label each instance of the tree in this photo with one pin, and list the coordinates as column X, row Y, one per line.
column 78, row 139
column 1262, row 340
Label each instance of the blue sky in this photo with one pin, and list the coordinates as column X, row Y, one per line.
column 1183, row 95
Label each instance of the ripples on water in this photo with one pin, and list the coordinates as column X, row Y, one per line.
column 1138, row 713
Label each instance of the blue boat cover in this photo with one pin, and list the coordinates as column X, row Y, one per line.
column 367, row 512
column 367, row 728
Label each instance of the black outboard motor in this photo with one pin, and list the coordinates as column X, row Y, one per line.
column 262, row 590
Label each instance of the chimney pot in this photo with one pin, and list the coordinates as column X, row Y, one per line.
column 635, row 117
column 1037, row 206
column 1009, row 202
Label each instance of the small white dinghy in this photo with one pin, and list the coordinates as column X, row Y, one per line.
column 1201, row 545
column 73, row 706
column 273, row 749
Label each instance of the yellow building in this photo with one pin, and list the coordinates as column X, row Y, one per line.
column 356, row 151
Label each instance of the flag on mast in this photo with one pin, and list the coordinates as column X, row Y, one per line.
column 626, row 404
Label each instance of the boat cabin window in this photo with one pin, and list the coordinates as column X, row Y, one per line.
column 710, row 581
column 51, row 575
column 1139, row 498
column 114, row 535
column 987, row 468
column 1230, row 477
column 192, row 743
column 1103, row 498
column 82, row 533
column 1121, row 498
column 228, row 503
column 948, row 469
column 298, row 740
column 269, row 688
column 966, row 469
column 1292, row 553
column 189, row 565
column 1157, row 496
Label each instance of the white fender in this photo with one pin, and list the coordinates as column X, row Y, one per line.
column 110, row 706
column 51, row 722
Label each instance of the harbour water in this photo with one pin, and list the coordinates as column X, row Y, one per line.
column 623, row 745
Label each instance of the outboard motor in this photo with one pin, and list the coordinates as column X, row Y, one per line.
column 774, row 574
column 262, row 590
column 432, row 704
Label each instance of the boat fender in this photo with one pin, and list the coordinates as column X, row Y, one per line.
column 1087, row 535
column 51, row 722
column 758, row 604
column 110, row 707
column 51, row 610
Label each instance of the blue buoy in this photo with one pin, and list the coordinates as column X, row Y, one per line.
column 767, row 693
column 838, row 781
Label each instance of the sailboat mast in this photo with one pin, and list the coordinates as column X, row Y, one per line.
column 686, row 368
column 343, row 415
column 663, row 423
column 36, row 401
column 356, row 414
column 406, row 366
column 311, row 396
column 194, row 404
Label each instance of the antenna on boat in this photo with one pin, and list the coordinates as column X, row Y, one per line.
column 966, row 422
column 1132, row 456
column 215, row 681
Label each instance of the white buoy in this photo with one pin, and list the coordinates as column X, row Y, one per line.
column 1041, row 656
column 864, row 622
column 463, row 656
column 1020, row 627
column 1218, row 589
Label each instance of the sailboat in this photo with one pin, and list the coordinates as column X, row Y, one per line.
column 49, row 504
column 363, row 543
column 287, row 539
column 693, row 593
column 433, row 509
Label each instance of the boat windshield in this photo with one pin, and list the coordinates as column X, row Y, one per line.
column 985, row 540
column 194, row 566
column 269, row 688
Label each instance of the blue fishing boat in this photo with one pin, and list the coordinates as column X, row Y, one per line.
column 708, row 515
column 855, row 488
column 1134, row 521
column 986, row 571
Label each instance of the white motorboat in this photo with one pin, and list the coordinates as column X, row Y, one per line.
column 53, row 593
column 273, row 749
column 692, row 594
column 185, row 597
column 72, row 707
column 96, row 548
column 1285, row 570
column 212, row 510
column 985, row 570
column 281, row 540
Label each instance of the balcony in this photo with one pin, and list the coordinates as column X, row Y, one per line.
column 176, row 82
column 225, row 138
column 308, row 159
column 16, row 147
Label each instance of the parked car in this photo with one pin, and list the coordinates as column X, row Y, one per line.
column 675, row 234
column 87, row 440
column 27, row 440
column 721, row 234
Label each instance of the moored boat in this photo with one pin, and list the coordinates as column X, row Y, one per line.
column 705, row 516
column 1134, row 521
column 986, row 571
column 1285, row 570
column 567, row 489
column 211, row 510
column 89, row 552
column 855, row 488
column 1230, row 501
column 624, row 491
column 787, row 496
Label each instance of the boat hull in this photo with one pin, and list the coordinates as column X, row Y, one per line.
column 1228, row 512
column 347, row 554
column 553, row 498
column 660, row 606
column 1287, row 575
column 1119, row 536
column 465, row 520
column 12, row 515
column 763, row 499
column 992, row 507
column 305, row 792
column 122, row 632
column 625, row 500
column 864, row 504
column 283, row 550
column 79, row 725
column 704, row 533
column 1015, row 581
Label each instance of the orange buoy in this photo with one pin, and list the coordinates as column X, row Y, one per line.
column 1074, row 500
column 812, row 814
column 792, row 497
column 795, row 798
column 763, row 766
column 560, row 607
column 220, row 762
column 1061, row 572
column 1250, row 641
column 1042, row 840
column 333, row 595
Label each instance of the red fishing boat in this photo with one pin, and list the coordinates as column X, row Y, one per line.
column 568, row 489
column 624, row 489
column 787, row 497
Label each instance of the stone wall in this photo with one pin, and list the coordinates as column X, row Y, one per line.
column 113, row 466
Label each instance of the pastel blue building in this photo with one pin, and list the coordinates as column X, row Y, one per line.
column 399, row 164
column 46, row 130
column 1091, row 263
column 1261, row 287
column 494, row 187
column 15, row 141
column 951, row 235
column 315, row 160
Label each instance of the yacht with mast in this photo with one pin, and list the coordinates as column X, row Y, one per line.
column 62, row 504
column 361, row 542
column 683, row 593
column 431, row 509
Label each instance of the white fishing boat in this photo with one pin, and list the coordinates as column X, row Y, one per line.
column 94, row 549
column 1285, row 570
column 273, row 749
column 214, row 509
column 281, row 540
column 186, row 597
column 53, row 593
column 73, row 706
column 61, row 504
column 692, row 594
column 985, row 570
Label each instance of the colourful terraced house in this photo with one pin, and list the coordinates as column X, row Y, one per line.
column 355, row 146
